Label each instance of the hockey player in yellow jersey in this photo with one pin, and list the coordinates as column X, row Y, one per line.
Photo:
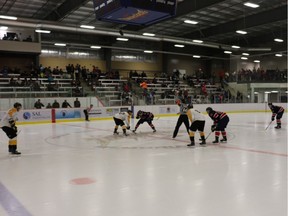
column 8, row 125
column 120, row 119
column 197, row 120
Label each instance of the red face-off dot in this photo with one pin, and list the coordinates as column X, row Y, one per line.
column 82, row 181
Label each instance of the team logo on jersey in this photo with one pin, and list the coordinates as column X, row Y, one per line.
column 26, row 115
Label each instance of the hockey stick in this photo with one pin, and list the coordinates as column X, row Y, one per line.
column 268, row 125
column 208, row 135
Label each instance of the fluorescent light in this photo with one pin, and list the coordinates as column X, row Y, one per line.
column 235, row 47
column 190, row 22
column 278, row 55
column 95, row 47
column 267, row 92
column 42, row 31
column 278, row 40
column 241, row 32
column 8, row 17
column 179, row 45
column 3, row 27
column 227, row 52
column 87, row 27
column 196, row 56
column 244, row 58
column 122, row 39
column 252, row 5
column 148, row 51
column 274, row 91
column 197, row 41
column 148, row 34
column 59, row 44
column 286, row 91
column 246, row 54
column 257, row 61
column 255, row 92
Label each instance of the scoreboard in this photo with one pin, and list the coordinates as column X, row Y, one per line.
column 134, row 12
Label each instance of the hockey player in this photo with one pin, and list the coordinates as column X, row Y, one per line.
column 220, row 123
column 197, row 120
column 86, row 112
column 120, row 119
column 144, row 117
column 183, row 118
column 278, row 112
column 9, row 127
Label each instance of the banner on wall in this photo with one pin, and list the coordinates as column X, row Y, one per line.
column 67, row 114
column 168, row 110
column 34, row 115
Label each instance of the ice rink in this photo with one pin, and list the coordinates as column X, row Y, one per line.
column 81, row 169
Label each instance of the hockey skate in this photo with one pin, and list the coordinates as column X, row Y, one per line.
column 154, row 131
column 116, row 133
column 278, row 127
column 191, row 144
column 223, row 140
column 134, row 131
column 203, row 142
column 125, row 134
column 15, row 153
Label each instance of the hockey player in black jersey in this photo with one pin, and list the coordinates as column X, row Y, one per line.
column 183, row 118
column 144, row 117
column 277, row 111
column 220, row 122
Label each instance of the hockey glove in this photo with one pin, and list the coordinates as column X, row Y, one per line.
column 128, row 127
column 12, row 123
column 273, row 118
column 15, row 129
column 213, row 128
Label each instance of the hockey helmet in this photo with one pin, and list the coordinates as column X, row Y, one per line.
column 209, row 109
column 16, row 105
column 270, row 104
column 129, row 111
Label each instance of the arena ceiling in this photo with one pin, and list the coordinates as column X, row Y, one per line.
column 217, row 23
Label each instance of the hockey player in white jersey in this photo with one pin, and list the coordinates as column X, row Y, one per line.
column 122, row 119
column 197, row 120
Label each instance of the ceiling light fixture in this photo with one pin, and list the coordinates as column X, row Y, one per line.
column 196, row 56
column 179, row 45
column 274, row 91
column 8, row 17
column 190, row 22
column 95, row 47
column 278, row 40
column 87, row 27
column 227, row 52
column 197, row 41
column 122, row 39
column 148, row 51
column 245, row 54
column 3, row 27
column 148, row 34
column 235, row 47
column 241, row 32
column 43, row 31
column 60, row 44
column 278, row 55
column 244, row 58
column 257, row 61
column 252, row 5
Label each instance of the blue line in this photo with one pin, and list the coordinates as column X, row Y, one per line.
column 10, row 203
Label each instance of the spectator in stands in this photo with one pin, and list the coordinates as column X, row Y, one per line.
column 48, row 106
column 5, row 37
column 143, row 74
column 38, row 104
column 144, row 86
column 65, row 104
column 77, row 103
column 55, row 104
column 12, row 82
